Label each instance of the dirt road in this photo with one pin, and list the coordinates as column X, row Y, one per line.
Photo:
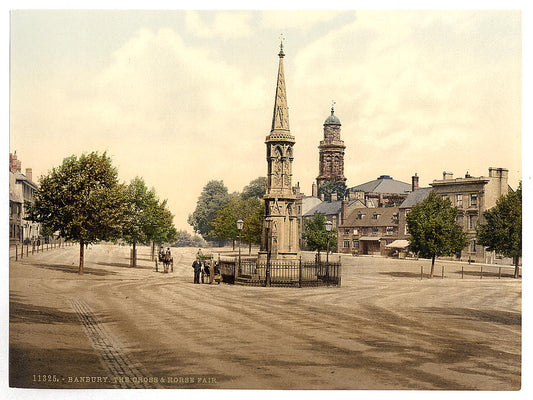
column 385, row 328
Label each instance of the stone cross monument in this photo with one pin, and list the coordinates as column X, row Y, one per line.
column 279, row 239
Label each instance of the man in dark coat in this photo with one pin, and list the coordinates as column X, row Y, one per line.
column 197, row 265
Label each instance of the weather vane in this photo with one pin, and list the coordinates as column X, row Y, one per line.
column 281, row 38
column 333, row 102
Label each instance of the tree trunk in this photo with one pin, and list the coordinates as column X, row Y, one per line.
column 432, row 267
column 134, row 256
column 516, row 268
column 82, row 248
column 153, row 252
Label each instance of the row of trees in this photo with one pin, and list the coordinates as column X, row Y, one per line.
column 83, row 201
column 217, row 211
column 434, row 232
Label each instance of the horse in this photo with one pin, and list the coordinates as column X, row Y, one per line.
column 168, row 260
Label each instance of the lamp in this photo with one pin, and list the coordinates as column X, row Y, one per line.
column 329, row 224
column 240, row 225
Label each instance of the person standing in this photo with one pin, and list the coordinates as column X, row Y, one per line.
column 197, row 266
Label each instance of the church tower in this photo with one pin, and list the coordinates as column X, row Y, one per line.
column 280, row 227
column 331, row 152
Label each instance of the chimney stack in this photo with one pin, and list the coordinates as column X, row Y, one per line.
column 314, row 190
column 334, row 196
column 414, row 182
column 322, row 196
column 344, row 211
column 447, row 175
column 29, row 174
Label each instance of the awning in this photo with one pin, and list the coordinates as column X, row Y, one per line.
column 370, row 238
column 398, row 244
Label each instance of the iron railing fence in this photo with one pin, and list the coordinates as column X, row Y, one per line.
column 286, row 273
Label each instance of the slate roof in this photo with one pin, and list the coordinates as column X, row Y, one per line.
column 418, row 196
column 388, row 216
column 383, row 184
column 328, row 208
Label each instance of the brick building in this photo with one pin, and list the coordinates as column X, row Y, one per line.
column 331, row 152
column 381, row 192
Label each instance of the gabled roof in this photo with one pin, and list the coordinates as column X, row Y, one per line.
column 418, row 196
column 383, row 184
column 328, row 208
column 388, row 216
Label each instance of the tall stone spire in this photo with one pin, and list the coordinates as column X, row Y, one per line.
column 280, row 226
column 280, row 117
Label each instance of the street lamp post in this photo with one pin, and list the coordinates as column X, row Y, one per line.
column 329, row 224
column 240, row 224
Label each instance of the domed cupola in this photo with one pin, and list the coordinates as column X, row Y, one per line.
column 332, row 119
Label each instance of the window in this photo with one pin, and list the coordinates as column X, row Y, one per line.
column 473, row 246
column 375, row 229
column 346, row 244
column 459, row 200
column 473, row 200
column 346, row 231
column 459, row 220
column 355, row 244
column 355, row 232
column 444, row 196
column 376, row 216
column 472, row 220
column 360, row 216
column 390, row 230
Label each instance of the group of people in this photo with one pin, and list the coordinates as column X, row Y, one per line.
column 205, row 271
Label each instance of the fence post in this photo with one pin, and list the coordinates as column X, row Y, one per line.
column 421, row 272
column 27, row 249
column 442, row 272
column 21, row 251
column 462, row 272
column 481, row 277
column 16, row 252
column 300, row 273
column 499, row 272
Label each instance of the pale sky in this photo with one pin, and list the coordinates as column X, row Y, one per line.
column 183, row 97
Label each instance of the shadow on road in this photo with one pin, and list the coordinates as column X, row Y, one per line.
column 30, row 313
column 73, row 269
column 498, row 316
column 123, row 265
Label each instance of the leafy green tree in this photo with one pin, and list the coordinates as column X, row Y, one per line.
column 502, row 230
column 316, row 236
column 328, row 188
column 139, row 220
column 256, row 188
column 253, row 221
column 81, row 199
column 213, row 197
column 185, row 239
column 250, row 210
column 433, row 230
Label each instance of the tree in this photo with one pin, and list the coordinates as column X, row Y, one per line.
column 253, row 221
column 185, row 239
column 256, row 188
column 502, row 230
column 316, row 236
column 433, row 230
column 81, row 199
column 214, row 196
column 328, row 188
column 138, row 201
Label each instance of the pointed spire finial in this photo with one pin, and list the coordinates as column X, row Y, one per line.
column 281, row 38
